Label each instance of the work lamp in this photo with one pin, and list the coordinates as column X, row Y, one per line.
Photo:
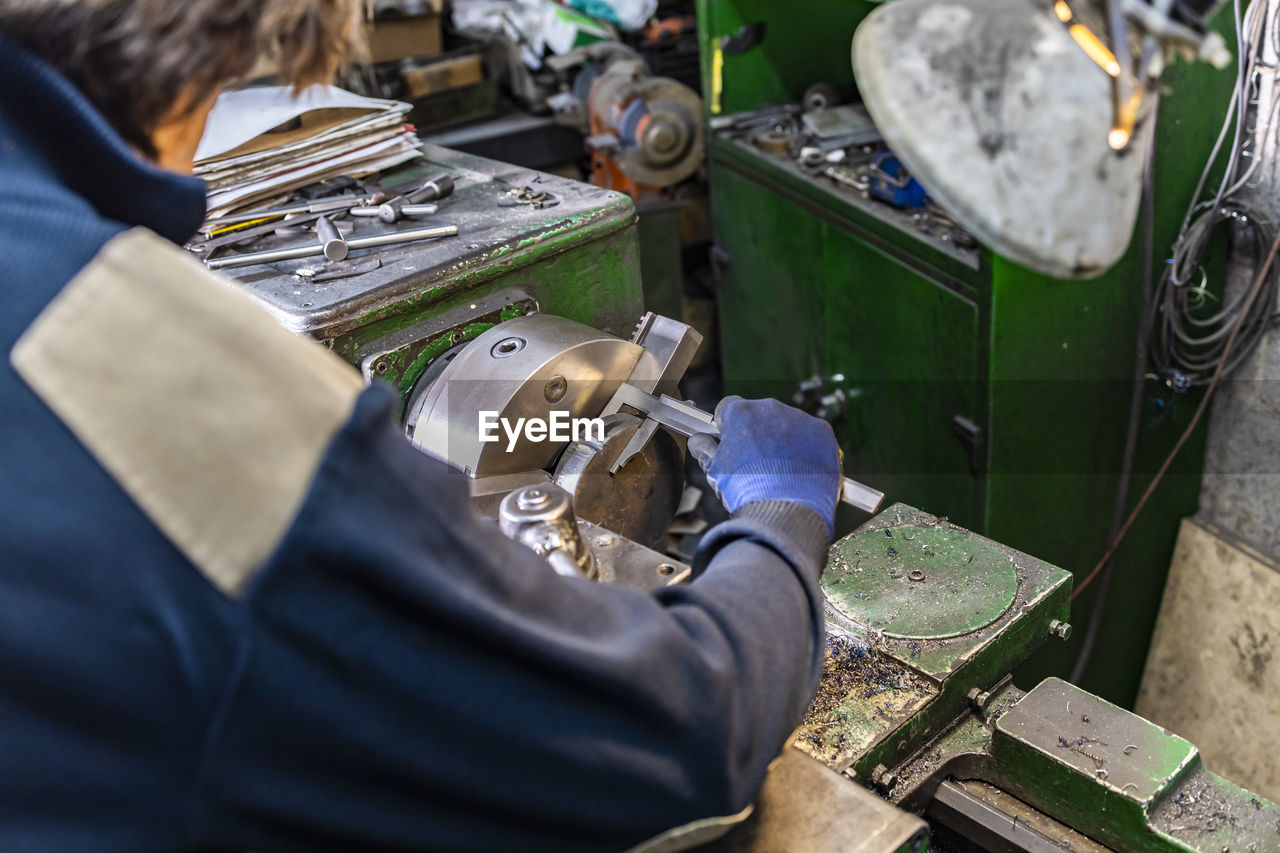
column 1028, row 120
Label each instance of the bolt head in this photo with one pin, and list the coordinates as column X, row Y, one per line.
column 533, row 499
column 882, row 777
column 1060, row 629
column 555, row 389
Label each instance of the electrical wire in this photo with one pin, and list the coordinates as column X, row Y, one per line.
column 1218, row 373
column 1189, row 345
column 1189, row 342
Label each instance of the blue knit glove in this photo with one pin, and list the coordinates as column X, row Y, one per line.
column 769, row 451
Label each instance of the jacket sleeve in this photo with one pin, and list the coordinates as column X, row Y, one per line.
column 406, row 677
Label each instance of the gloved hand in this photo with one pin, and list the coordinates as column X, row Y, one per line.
column 769, row 451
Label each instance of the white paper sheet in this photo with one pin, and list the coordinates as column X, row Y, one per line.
column 242, row 115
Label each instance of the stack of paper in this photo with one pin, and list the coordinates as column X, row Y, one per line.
column 263, row 143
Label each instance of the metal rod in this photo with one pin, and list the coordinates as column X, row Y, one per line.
column 265, row 257
column 404, row 236
column 332, row 244
column 316, row 249
column 405, row 210
column 321, row 206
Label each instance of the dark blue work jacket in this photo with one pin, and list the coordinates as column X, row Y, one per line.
column 193, row 659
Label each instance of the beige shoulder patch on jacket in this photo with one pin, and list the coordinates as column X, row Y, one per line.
column 211, row 416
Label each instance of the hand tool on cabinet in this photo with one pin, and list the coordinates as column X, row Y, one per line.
column 412, row 203
column 325, row 205
column 318, row 248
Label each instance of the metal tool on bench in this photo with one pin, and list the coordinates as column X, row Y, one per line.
column 320, row 247
column 324, row 205
column 413, row 203
column 686, row 419
column 332, row 244
column 409, row 210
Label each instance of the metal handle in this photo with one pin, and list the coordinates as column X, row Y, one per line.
column 316, row 249
column 332, row 244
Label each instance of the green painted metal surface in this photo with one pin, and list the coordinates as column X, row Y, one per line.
column 1095, row 767
column 1121, row 779
column 816, row 290
column 926, row 583
column 1042, row 368
column 805, row 42
column 883, row 695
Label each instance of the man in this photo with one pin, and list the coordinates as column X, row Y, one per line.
column 239, row 610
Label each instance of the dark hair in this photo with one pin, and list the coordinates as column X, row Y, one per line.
column 139, row 60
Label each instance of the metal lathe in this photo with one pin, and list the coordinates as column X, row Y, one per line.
column 537, row 308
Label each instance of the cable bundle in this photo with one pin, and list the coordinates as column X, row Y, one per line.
column 1189, row 336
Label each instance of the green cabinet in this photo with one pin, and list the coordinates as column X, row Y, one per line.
column 975, row 388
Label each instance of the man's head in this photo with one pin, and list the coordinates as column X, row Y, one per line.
column 154, row 67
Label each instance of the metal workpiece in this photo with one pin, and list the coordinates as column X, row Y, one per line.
column 506, row 370
column 433, row 189
column 324, row 205
column 541, row 518
column 685, row 419
column 678, row 416
column 393, row 211
column 641, row 498
column 415, row 203
column 860, row 495
column 409, row 235
column 404, row 210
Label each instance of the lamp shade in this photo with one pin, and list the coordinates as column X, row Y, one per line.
column 1004, row 118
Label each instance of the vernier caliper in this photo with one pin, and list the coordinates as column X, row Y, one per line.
column 687, row 419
